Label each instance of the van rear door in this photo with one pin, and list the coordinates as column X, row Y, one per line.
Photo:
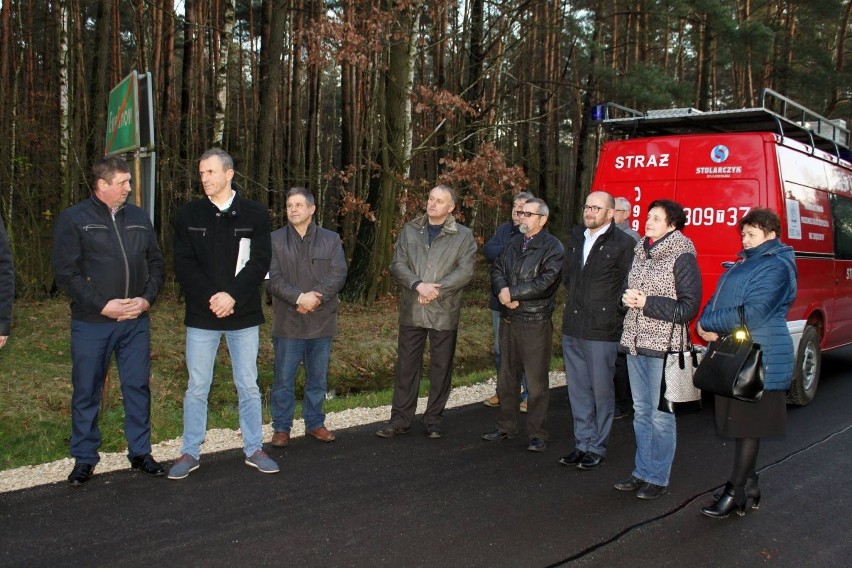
column 716, row 178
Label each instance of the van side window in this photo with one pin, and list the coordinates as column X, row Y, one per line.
column 841, row 213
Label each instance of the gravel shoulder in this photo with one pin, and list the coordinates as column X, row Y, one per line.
column 224, row 439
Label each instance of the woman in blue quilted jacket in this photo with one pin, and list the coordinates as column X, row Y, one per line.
column 763, row 281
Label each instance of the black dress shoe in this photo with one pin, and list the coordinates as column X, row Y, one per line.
column 631, row 484
column 390, row 430
column 590, row 461
column 573, row 458
column 81, row 473
column 433, row 431
column 147, row 465
column 495, row 435
column 651, row 491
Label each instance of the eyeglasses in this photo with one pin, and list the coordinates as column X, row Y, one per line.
column 529, row 214
column 594, row 209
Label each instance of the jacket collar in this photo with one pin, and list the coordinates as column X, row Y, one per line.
column 312, row 228
column 580, row 230
column 449, row 225
column 537, row 239
column 101, row 205
column 232, row 211
column 767, row 248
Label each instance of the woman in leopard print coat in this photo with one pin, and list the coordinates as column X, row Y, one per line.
column 664, row 276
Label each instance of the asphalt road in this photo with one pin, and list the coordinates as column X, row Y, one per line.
column 459, row 501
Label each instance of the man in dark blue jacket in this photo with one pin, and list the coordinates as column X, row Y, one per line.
column 525, row 278
column 7, row 285
column 492, row 249
column 222, row 252
column 308, row 270
column 106, row 259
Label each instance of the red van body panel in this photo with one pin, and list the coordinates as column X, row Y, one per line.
column 718, row 178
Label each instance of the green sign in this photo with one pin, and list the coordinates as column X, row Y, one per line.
column 122, row 132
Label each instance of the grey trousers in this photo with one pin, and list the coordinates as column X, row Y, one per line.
column 589, row 366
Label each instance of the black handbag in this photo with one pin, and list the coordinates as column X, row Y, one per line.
column 732, row 366
column 676, row 386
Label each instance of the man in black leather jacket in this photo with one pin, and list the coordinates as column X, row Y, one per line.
column 525, row 278
column 106, row 259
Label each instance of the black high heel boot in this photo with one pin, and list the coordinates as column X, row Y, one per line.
column 752, row 491
column 733, row 499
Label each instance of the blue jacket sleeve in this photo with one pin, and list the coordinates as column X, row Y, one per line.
column 495, row 245
column 766, row 289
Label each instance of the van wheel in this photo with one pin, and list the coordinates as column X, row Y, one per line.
column 806, row 372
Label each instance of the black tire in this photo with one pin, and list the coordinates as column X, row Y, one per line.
column 806, row 372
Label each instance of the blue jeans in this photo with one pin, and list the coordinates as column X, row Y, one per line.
column 656, row 432
column 201, row 348
column 495, row 325
column 92, row 346
column 289, row 354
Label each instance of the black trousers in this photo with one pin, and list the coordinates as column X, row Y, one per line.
column 525, row 347
column 410, row 347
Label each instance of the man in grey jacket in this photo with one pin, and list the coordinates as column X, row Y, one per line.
column 433, row 261
column 308, row 270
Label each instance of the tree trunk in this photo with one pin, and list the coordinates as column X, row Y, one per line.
column 65, row 138
column 270, row 76
column 368, row 276
column 100, row 78
column 226, row 35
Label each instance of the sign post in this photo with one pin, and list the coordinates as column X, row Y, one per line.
column 130, row 128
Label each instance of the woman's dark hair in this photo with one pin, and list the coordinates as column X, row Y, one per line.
column 674, row 212
column 764, row 219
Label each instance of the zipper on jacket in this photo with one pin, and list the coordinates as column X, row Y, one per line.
column 124, row 256
column 201, row 230
column 89, row 227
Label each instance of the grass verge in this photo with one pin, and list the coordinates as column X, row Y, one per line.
column 35, row 373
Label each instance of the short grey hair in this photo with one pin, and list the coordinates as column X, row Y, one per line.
column 449, row 190
column 543, row 209
column 525, row 195
column 304, row 192
column 621, row 203
column 224, row 157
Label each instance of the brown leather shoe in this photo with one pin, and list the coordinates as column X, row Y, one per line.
column 280, row 439
column 322, row 434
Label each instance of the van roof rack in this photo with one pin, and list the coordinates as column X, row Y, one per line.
column 776, row 114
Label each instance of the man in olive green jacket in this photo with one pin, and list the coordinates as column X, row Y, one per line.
column 433, row 261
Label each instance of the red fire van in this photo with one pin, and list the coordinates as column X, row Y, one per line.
column 720, row 164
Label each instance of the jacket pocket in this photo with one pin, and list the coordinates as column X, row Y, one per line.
column 321, row 265
column 244, row 232
column 197, row 231
column 96, row 239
